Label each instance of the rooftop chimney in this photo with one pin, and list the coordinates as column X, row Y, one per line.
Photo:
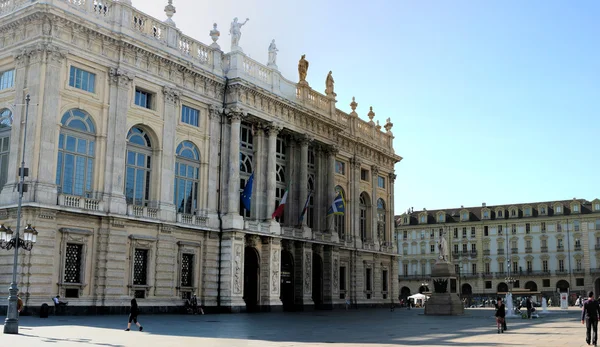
column 483, row 204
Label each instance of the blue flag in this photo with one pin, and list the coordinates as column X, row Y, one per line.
column 338, row 206
column 247, row 193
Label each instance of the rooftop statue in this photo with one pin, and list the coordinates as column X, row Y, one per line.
column 272, row 55
column 329, row 85
column 303, row 68
column 236, row 34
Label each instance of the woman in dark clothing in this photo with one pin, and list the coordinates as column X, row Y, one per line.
column 135, row 311
column 500, row 315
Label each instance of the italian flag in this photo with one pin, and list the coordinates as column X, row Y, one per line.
column 279, row 210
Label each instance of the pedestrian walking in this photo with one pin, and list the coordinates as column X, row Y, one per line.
column 589, row 317
column 133, row 314
column 529, row 307
column 500, row 315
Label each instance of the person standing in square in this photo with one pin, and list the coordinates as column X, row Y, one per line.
column 589, row 317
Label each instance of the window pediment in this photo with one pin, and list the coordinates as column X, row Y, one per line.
column 500, row 213
column 486, row 213
column 441, row 217
column 423, row 218
column 464, row 215
column 513, row 212
column 527, row 211
column 558, row 208
column 575, row 207
column 543, row 209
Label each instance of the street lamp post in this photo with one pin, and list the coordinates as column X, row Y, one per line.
column 11, row 324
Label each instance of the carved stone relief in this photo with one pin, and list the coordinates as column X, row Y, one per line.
column 237, row 270
column 275, row 271
column 307, row 272
column 336, row 271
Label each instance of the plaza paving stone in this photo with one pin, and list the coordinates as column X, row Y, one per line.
column 363, row 327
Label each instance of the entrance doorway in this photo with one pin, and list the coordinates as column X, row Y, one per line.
column 251, row 279
column 317, row 281
column 287, row 281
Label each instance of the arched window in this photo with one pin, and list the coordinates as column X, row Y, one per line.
column 76, row 153
column 364, row 218
column 340, row 219
column 187, row 173
column 246, row 161
column 310, row 211
column 5, row 129
column 381, row 225
column 139, row 161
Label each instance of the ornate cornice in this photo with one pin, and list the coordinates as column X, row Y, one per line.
column 120, row 77
column 39, row 52
column 214, row 111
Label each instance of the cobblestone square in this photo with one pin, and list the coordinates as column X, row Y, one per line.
column 364, row 327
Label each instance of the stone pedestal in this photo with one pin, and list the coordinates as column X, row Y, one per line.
column 444, row 300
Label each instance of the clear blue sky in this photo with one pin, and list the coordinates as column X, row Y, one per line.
column 492, row 101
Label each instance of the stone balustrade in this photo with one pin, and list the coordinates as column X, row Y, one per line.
column 192, row 219
column 80, row 202
column 142, row 211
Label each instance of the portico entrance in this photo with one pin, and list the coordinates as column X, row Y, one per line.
column 287, row 281
column 317, row 281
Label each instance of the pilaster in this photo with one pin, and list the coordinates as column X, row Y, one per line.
column 116, row 141
column 233, row 220
column 331, row 285
column 214, row 161
column 272, row 132
column 331, row 154
column 111, row 257
column 167, row 205
column 166, row 271
column 355, row 167
column 303, row 272
column 303, row 189
column 270, row 274
column 374, row 217
column 232, row 271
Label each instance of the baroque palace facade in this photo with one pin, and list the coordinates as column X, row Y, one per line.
column 542, row 248
column 140, row 141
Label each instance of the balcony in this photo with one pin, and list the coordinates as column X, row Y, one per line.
column 578, row 247
column 501, row 251
column 514, row 250
column 142, row 211
column 560, row 248
column 579, row 271
column 192, row 219
column 597, row 247
column 544, row 249
column 595, row 271
column 560, row 272
column 80, row 202
column 528, row 250
column 455, row 255
column 535, row 273
column 486, row 252
column 473, row 254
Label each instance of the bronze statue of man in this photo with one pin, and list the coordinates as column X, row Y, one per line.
column 303, row 68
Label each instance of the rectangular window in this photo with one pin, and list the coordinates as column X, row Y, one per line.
column 405, row 235
column 597, row 207
column 501, row 267
column 487, row 268
column 381, row 182
column 431, row 248
column 455, row 233
column 82, row 79
column 455, row 248
column 7, row 79
column 561, row 265
column 368, row 280
column 473, row 269
column 187, row 270
column 527, row 212
column 473, row 248
column 488, row 284
column 472, row 231
column 340, row 167
column 529, row 266
column 515, row 268
column 140, row 267
column 578, row 265
column 579, row 282
column 597, row 224
column 464, row 233
column 343, row 278
column 576, row 225
column 545, row 265
column 405, row 267
column 513, row 229
column 575, row 208
column 456, row 269
column 528, row 244
column 546, row 282
column 190, row 115
column 544, row 243
column 143, row 98
column 499, row 229
column 384, row 274
column 543, row 227
column 73, row 263
column 559, row 227
column 485, row 230
column 464, row 248
column 423, row 272
column 527, row 228
column 364, row 175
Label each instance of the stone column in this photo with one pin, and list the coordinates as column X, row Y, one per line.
column 166, row 202
column 110, row 265
column 116, row 141
column 45, row 187
column 374, row 217
column 355, row 166
column 10, row 190
column 391, row 222
column 331, row 281
column 214, row 160
column 270, row 274
column 272, row 131
column 320, row 192
column 331, row 154
column 233, row 218
column 258, row 191
column 303, row 181
column 303, row 274
column 292, row 174
column 232, row 271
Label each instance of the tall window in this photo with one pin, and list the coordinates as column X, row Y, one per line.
column 5, row 129
column 340, row 219
column 501, row 266
column 545, row 265
column 246, row 161
column 369, row 285
column 143, row 98
column 73, row 259
column 82, row 79
column 499, row 229
column 187, row 168
column 140, row 267
column 578, row 265
column 527, row 228
column 576, row 224
column 487, row 268
column 138, row 168
column 76, row 152
column 310, row 212
column 529, row 266
column 485, row 230
column 381, row 225
column 363, row 206
column 381, row 182
column 384, row 275
column 7, row 79
column 561, row 265
column 187, row 270
column 280, row 174
column 473, row 268
column 190, row 115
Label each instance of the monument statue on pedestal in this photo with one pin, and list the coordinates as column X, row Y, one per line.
column 303, row 68
column 236, row 34
column 329, row 85
column 272, row 55
column 443, row 247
